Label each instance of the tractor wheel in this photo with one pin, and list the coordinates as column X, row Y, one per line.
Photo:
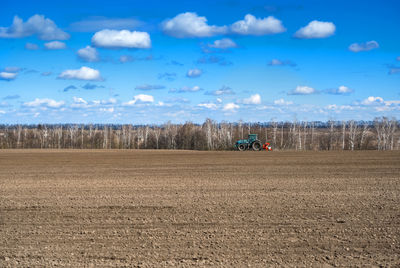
column 256, row 146
column 241, row 147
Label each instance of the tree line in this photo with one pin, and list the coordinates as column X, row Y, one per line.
column 381, row 134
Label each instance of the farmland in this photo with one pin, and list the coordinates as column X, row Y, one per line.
column 163, row 208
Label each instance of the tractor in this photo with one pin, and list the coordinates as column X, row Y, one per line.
column 251, row 143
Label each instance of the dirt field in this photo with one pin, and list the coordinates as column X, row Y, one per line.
column 165, row 208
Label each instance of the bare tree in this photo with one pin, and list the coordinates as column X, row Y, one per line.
column 353, row 127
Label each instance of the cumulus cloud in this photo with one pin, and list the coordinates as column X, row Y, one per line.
column 257, row 26
column 110, row 101
column 208, row 105
column 224, row 43
column 54, row 45
column 316, row 29
column 89, row 54
column 38, row 25
column 357, row 47
column 149, row 87
column 342, row 90
column 276, row 62
column 84, row 73
column 189, row 24
column 93, row 24
column 282, row 102
column 193, row 73
column 302, row 90
column 230, row 107
column 186, row 89
column 31, row 46
column 339, row 108
column 8, row 76
column 224, row 90
column 81, row 103
column 45, row 103
column 373, row 101
column 381, row 105
column 121, row 39
column 253, row 99
column 140, row 99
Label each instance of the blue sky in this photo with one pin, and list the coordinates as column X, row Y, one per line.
column 146, row 62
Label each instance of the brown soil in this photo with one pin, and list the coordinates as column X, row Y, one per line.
column 185, row 208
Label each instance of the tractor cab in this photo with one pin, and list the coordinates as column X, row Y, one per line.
column 252, row 138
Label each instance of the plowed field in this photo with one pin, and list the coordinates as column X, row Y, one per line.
column 187, row 208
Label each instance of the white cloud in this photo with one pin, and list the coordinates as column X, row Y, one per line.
column 342, row 90
column 357, row 47
column 256, row 26
column 110, row 101
column 189, row 24
column 47, row 103
column 141, row 98
column 302, row 90
column 209, row 105
column 224, row 43
column 121, row 39
column 230, row 107
column 31, row 46
column 282, row 102
column 45, row 29
column 79, row 103
column 84, row 73
column 8, row 75
column 253, row 99
column 89, row 54
column 338, row 108
column 316, row 29
column 79, row 100
column 109, row 110
column 224, row 90
column 380, row 105
column 192, row 73
column 54, row 45
column 372, row 101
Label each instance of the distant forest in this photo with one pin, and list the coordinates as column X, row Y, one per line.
column 381, row 134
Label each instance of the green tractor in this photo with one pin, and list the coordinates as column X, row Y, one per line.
column 252, row 143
